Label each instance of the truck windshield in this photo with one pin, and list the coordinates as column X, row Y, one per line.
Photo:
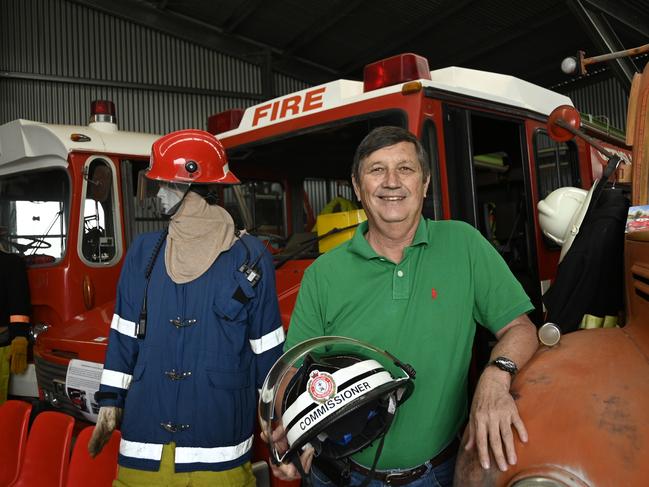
column 34, row 211
column 311, row 175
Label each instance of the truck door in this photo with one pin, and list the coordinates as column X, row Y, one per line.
column 489, row 188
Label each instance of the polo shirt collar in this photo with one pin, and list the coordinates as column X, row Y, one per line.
column 360, row 246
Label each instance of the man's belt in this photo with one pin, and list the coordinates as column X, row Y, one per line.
column 406, row 476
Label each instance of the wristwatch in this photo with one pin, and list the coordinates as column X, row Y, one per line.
column 503, row 363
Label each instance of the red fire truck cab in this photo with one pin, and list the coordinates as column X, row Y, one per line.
column 66, row 206
column 491, row 158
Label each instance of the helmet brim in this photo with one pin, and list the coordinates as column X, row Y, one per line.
column 402, row 374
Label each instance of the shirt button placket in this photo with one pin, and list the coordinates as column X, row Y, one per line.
column 401, row 286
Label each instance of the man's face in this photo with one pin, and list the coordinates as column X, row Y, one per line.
column 391, row 186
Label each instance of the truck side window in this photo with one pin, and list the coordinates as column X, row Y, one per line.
column 34, row 212
column 433, row 201
column 557, row 164
column 98, row 240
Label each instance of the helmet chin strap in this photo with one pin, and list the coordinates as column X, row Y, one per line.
column 306, row 477
column 379, row 449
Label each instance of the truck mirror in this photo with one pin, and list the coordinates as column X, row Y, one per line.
column 100, row 182
column 563, row 122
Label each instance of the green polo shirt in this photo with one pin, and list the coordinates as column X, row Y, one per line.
column 422, row 310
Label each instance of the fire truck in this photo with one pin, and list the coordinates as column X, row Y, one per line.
column 491, row 158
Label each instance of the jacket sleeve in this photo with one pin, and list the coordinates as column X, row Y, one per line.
column 122, row 343
column 266, row 333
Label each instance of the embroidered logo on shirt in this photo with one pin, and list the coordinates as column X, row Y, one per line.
column 321, row 386
column 433, row 293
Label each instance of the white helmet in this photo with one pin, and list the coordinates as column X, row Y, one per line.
column 561, row 214
column 343, row 396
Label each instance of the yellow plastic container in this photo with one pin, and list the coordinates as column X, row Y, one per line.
column 330, row 221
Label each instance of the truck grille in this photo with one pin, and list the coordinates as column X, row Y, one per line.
column 51, row 380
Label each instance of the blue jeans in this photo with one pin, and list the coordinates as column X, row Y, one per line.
column 439, row 476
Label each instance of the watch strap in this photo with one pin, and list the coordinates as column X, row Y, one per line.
column 506, row 364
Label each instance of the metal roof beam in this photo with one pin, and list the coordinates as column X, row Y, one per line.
column 337, row 11
column 240, row 15
column 525, row 27
column 623, row 14
column 204, row 34
column 442, row 14
column 603, row 37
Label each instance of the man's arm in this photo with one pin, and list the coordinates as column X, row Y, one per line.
column 493, row 410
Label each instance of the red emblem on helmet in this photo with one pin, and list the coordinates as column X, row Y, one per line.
column 321, row 386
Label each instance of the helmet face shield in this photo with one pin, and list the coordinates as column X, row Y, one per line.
column 337, row 395
column 170, row 195
column 161, row 197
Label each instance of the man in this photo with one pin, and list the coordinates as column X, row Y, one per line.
column 15, row 308
column 195, row 331
column 416, row 288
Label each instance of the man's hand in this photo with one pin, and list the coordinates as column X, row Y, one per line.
column 493, row 412
column 18, row 354
column 108, row 419
column 285, row 471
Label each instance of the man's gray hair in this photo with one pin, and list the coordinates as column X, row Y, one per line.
column 387, row 136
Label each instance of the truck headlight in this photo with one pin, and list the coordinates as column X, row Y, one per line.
column 37, row 329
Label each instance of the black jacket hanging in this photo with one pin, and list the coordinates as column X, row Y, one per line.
column 590, row 278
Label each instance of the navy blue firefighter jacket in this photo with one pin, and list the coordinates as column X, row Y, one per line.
column 194, row 377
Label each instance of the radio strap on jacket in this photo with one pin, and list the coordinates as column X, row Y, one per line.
column 140, row 326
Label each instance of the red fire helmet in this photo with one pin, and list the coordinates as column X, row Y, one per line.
column 190, row 156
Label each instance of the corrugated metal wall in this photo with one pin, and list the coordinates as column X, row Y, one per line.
column 285, row 84
column 57, row 56
column 603, row 98
column 321, row 191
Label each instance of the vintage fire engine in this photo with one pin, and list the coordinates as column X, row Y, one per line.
column 585, row 399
